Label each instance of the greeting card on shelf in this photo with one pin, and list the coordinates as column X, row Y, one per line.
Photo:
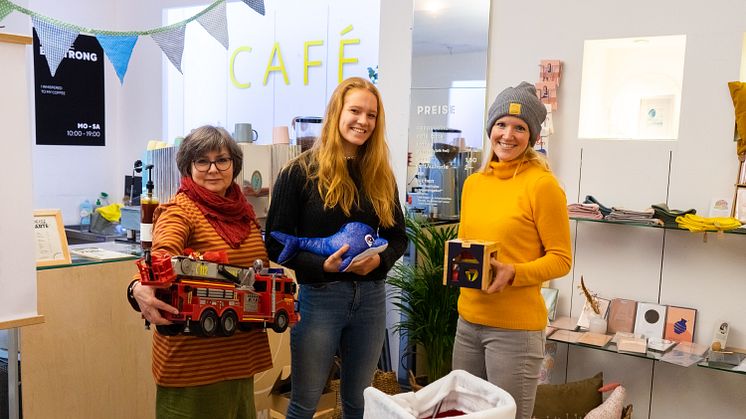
column 566, row 336
column 650, row 320
column 564, row 322
column 685, row 359
column 622, row 315
column 550, row 299
column 588, row 312
column 594, row 339
column 691, row 348
column 680, row 322
column 623, row 335
column 635, row 345
column 660, row 345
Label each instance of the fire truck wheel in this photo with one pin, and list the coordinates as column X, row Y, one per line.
column 170, row 329
column 228, row 323
column 281, row 322
column 208, row 322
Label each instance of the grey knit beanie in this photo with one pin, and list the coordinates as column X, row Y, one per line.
column 520, row 101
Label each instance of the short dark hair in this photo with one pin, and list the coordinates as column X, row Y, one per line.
column 203, row 140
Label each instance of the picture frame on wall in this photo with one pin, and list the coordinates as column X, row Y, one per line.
column 656, row 117
column 680, row 323
column 51, row 241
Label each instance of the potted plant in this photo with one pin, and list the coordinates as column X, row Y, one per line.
column 428, row 308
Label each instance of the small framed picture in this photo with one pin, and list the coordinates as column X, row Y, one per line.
column 550, row 299
column 587, row 312
column 680, row 322
column 51, row 241
column 650, row 320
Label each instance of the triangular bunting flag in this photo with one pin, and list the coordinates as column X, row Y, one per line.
column 5, row 9
column 56, row 42
column 215, row 23
column 172, row 44
column 257, row 5
column 119, row 51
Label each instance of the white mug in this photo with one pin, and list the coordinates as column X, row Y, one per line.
column 280, row 135
column 244, row 134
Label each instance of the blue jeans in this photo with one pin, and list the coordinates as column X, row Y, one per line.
column 347, row 315
column 509, row 359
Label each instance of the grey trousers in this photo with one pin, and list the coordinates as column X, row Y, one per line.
column 509, row 359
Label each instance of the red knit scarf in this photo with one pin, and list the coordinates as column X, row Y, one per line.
column 231, row 215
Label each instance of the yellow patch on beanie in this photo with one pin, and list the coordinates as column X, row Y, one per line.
column 514, row 109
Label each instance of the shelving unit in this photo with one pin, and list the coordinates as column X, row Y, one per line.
column 650, row 355
column 652, row 263
column 633, row 224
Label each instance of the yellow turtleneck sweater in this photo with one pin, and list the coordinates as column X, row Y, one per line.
column 522, row 207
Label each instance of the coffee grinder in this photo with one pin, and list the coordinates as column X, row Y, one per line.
column 442, row 174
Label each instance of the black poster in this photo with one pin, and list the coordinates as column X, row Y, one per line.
column 70, row 105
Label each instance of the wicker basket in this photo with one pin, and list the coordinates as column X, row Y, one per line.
column 382, row 380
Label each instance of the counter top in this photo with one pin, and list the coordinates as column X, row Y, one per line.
column 122, row 251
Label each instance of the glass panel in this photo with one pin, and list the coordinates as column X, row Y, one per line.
column 446, row 129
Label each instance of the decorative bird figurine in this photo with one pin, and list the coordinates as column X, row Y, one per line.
column 363, row 241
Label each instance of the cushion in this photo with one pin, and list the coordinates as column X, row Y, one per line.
column 568, row 400
column 611, row 408
column 738, row 94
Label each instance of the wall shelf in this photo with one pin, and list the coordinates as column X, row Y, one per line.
column 652, row 355
column 635, row 224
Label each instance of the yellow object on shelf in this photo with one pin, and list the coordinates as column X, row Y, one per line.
column 111, row 213
column 693, row 222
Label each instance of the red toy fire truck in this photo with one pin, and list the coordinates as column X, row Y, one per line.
column 215, row 298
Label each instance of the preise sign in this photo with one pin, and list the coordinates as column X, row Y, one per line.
column 70, row 105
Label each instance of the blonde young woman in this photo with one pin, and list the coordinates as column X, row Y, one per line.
column 344, row 177
column 514, row 200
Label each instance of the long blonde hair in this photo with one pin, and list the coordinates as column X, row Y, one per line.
column 325, row 161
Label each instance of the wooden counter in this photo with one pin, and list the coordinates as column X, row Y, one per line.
column 92, row 357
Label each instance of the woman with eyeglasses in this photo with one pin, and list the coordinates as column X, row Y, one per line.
column 201, row 377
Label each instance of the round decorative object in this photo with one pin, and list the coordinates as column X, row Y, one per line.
column 652, row 316
column 256, row 181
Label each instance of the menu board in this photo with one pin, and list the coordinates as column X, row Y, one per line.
column 70, row 105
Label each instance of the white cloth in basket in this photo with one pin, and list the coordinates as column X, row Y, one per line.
column 459, row 390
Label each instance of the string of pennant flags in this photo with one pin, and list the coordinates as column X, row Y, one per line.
column 56, row 37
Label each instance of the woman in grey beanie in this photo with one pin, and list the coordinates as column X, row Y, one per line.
column 500, row 333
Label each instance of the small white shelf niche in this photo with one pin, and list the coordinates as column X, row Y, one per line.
column 631, row 88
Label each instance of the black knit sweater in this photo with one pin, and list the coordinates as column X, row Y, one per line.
column 297, row 208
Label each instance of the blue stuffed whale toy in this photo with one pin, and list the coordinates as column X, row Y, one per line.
column 361, row 237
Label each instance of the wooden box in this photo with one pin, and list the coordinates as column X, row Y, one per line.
column 467, row 263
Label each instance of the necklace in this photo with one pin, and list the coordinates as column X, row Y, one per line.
column 349, row 157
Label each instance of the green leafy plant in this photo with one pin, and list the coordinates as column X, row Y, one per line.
column 428, row 308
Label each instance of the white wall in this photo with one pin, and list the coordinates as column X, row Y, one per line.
column 66, row 175
column 620, row 261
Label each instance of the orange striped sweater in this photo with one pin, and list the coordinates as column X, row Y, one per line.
column 185, row 361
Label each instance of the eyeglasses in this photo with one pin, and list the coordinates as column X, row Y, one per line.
column 222, row 164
